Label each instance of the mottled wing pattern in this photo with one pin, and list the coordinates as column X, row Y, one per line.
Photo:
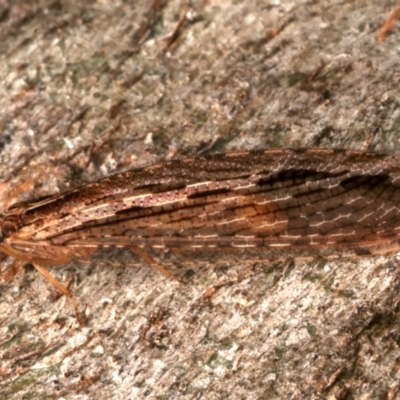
column 289, row 204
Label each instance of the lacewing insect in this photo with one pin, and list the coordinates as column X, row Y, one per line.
column 284, row 204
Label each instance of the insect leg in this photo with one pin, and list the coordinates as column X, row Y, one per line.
column 62, row 289
column 144, row 256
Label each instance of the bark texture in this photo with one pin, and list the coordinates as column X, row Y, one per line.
column 91, row 88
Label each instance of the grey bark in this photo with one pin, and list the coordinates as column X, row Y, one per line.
column 91, row 88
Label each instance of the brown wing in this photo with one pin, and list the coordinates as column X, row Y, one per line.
column 287, row 203
column 294, row 213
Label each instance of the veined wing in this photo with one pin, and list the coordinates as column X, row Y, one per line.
column 276, row 199
column 297, row 212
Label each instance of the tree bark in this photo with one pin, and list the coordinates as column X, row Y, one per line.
column 92, row 88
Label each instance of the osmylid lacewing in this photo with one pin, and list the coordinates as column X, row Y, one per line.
column 283, row 203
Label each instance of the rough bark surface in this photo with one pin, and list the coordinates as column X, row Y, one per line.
column 91, row 88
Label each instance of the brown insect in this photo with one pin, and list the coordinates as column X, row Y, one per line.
column 282, row 204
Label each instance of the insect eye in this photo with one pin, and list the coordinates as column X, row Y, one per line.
column 7, row 229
